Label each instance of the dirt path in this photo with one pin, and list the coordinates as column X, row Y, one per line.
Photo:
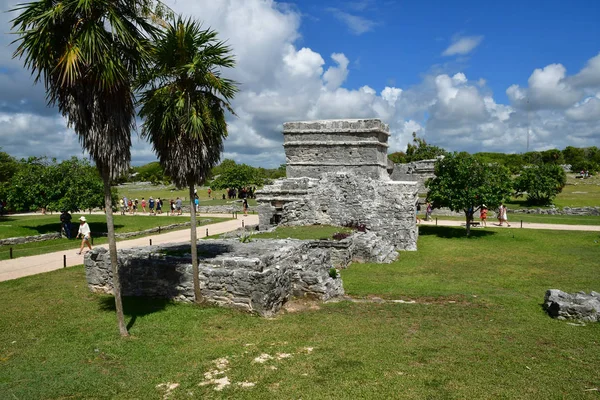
column 25, row 266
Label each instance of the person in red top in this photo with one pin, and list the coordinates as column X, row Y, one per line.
column 483, row 215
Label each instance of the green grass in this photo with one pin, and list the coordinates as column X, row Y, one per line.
column 166, row 193
column 477, row 331
column 35, row 225
column 312, row 232
column 534, row 218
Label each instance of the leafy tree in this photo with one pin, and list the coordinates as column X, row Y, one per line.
column 238, row 176
column 8, row 166
column 87, row 54
column 552, row 156
column 463, row 183
column 184, row 108
column 398, row 157
column 541, row 183
column 420, row 150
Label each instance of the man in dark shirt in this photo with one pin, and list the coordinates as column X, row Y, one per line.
column 65, row 220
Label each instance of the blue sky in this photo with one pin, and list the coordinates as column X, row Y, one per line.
column 466, row 75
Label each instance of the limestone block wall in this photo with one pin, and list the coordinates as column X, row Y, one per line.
column 386, row 207
column 258, row 276
column 417, row 171
column 313, row 148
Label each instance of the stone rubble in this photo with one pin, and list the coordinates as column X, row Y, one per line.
column 578, row 306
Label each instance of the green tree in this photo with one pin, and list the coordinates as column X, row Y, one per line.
column 238, row 176
column 462, row 183
column 398, row 157
column 87, row 53
column 541, row 183
column 184, row 108
column 421, row 150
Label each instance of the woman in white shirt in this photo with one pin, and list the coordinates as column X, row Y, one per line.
column 85, row 233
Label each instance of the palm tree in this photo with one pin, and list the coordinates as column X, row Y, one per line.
column 183, row 107
column 87, row 53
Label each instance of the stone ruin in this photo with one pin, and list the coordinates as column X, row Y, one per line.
column 416, row 171
column 577, row 306
column 259, row 276
column 338, row 174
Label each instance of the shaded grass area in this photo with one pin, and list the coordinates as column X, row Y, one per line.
column 477, row 331
column 311, row 232
column 97, row 223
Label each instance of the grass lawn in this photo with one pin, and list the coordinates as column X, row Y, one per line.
column 534, row 218
column 137, row 191
column 36, row 225
column 477, row 331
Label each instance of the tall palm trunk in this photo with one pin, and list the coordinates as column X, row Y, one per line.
column 112, row 249
column 194, row 245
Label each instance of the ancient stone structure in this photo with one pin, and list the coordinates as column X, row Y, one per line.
column 313, row 148
column 337, row 174
column 30, row 239
column 579, row 306
column 416, row 171
column 258, row 276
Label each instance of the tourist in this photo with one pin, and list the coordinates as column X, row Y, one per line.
column 196, row 203
column 428, row 211
column 159, row 206
column 178, row 206
column 122, row 205
column 417, row 209
column 135, row 205
column 151, row 205
column 172, row 206
column 245, row 207
column 85, row 233
column 209, row 192
column 502, row 215
column 483, row 215
column 130, row 206
column 65, row 220
column 143, row 205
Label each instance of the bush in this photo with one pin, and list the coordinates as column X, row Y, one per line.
column 333, row 273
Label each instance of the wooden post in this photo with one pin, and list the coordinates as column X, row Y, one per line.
column 242, row 223
column 435, row 221
column 159, row 229
column 11, row 255
column 521, row 223
column 150, row 242
column 64, row 261
column 206, row 232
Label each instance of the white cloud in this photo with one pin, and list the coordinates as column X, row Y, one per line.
column 335, row 76
column 589, row 76
column 462, row 45
column 548, row 89
column 356, row 24
column 587, row 110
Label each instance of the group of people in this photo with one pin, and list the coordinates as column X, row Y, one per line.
column 483, row 213
column 242, row 193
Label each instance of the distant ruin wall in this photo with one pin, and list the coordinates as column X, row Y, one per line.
column 417, row 171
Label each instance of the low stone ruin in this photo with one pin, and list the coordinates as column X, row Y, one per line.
column 578, row 306
column 337, row 174
column 258, row 276
column 416, row 171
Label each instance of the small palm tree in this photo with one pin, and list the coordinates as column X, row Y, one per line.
column 87, row 53
column 183, row 108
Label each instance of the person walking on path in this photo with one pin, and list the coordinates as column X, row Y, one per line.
column 143, row 205
column 483, row 215
column 85, row 233
column 158, row 206
column 178, row 204
column 245, row 206
column 65, row 220
column 502, row 215
column 428, row 211
column 417, row 209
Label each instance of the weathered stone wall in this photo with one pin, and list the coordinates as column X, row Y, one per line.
column 313, row 148
column 417, row 171
column 590, row 211
column 386, row 207
column 30, row 239
column 258, row 276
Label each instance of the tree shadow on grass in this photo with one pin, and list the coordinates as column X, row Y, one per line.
column 135, row 306
column 454, row 232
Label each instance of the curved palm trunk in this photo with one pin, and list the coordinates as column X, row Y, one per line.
column 112, row 248
column 194, row 246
